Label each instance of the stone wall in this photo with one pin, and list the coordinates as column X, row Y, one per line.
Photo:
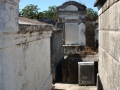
column 109, row 45
column 25, row 59
column 25, row 51
column 91, row 34
column 57, row 54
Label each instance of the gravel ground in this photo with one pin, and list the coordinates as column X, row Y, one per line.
column 61, row 86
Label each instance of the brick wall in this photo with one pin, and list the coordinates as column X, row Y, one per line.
column 109, row 45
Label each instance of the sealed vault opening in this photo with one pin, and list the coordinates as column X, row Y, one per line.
column 87, row 73
column 69, row 69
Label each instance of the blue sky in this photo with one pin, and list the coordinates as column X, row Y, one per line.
column 44, row 4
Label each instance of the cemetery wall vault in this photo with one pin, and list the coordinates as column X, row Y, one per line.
column 109, row 44
column 72, row 15
column 25, row 50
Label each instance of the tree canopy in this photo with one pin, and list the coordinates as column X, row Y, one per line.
column 90, row 13
column 50, row 13
column 32, row 11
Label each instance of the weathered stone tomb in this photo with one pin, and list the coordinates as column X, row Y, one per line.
column 72, row 15
column 25, row 50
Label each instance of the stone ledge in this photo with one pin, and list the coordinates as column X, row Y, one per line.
column 25, row 28
column 31, row 25
column 9, row 39
column 105, row 6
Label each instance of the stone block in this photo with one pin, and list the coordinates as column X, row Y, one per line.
column 117, row 15
column 100, row 55
column 100, row 37
column 107, row 19
column 109, row 49
column 110, row 85
column 108, row 2
column 111, row 43
column 117, row 46
column 105, row 61
column 115, row 72
column 111, row 2
column 112, row 11
column 101, row 73
column 101, row 21
column 110, row 68
column 104, row 40
column 103, row 76
column 86, row 73
column 119, row 79
column 104, row 6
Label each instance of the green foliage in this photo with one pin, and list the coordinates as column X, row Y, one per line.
column 30, row 11
column 92, row 14
column 50, row 13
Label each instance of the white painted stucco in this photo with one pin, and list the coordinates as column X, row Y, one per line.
column 71, row 8
column 24, row 58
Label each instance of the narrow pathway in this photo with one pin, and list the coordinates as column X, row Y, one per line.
column 61, row 86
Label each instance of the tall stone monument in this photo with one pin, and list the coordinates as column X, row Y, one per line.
column 72, row 15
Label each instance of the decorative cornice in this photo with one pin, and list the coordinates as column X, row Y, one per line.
column 78, row 5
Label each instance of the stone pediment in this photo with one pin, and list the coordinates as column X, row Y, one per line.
column 72, row 6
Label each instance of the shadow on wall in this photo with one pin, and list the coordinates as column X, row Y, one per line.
column 47, row 20
column 70, row 69
column 99, row 84
column 59, row 72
